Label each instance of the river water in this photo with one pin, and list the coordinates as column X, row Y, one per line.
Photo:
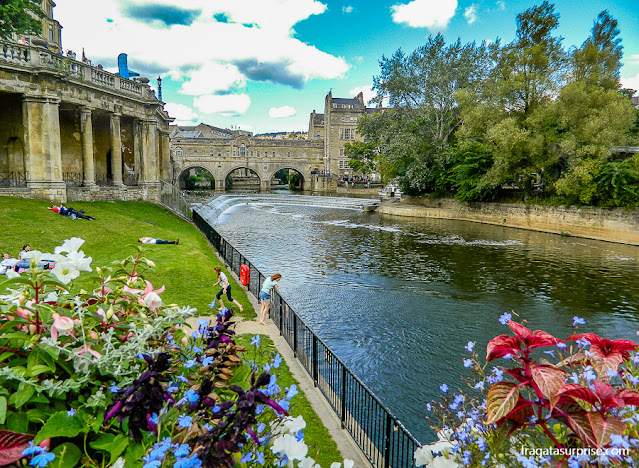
column 398, row 298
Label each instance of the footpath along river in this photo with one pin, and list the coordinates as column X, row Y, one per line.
column 398, row 298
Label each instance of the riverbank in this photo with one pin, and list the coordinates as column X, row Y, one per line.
column 606, row 224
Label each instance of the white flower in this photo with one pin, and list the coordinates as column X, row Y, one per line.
column 119, row 463
column 12, row 274
column 423, row 456
column 336, row 465
column 65, row 271
column 290, row 446
column 443, row 462
column 152, row 301
column 81, row 262
column 34, row 256
column 70, row 245
column 288, row 425
column 51, row 297
column 308, row 463
column 348, row 463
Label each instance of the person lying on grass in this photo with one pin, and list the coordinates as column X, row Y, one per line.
column 153, row 240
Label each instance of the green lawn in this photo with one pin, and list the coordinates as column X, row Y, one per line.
column 185, row 269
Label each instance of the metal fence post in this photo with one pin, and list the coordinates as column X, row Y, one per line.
column 315, row 360
column 387, row 450
column 343, row 405
column 294, row 335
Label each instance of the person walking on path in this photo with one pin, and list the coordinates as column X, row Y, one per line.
column 265, row 295
column 153, row 240
column 226, row 289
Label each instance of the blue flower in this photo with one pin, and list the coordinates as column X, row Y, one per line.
column 255, row 341
column 202, row 323
column 583, row 342
column 551, row 352
column 479, row 385
column 195, row 334
column 429, row 407
column 32, row 449
column 191, row 396
column 284, row 404
column 267, row 366
column 190, row 363
column 577, row 321
column 172, row 388
column 444, row 388
column 181, row 451
column 260, row 458
column 469, row 347
column 154, row 419
column 42, row 459
column 562, row 345
column 207, row 361
column 505, row 318
column 182, row 378
column 184, row 420
column 459, row 399
column 291, row 392
column 212, row 305
column 193, row 462
column 71, row 412
column 468, row 363
column 114, row 388
column 277, row 361
column 247, row 458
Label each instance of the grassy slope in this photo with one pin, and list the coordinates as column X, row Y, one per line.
column 185, row 269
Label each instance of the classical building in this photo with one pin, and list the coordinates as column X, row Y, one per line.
column 70, row 131
column 336, row 127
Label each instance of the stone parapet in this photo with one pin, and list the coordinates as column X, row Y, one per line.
column 606, row 224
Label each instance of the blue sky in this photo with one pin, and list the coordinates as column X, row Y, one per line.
column 264, row 65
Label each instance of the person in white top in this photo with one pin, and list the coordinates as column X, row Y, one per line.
column 265, row 295
column 153, row 240
column 226, row 289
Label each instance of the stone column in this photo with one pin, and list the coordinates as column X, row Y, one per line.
column 164, row 156
column 137, row 149
column 149, row 151
column 116, row 149
column 86, row 129
column 220, row 184
column 43, row 155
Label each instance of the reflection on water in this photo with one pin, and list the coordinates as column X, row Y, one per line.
column 397, row 299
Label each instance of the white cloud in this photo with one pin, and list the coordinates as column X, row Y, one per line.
column 183, row 115
column 226, row 104
column 347, row 9
column 633, row 59
column 281, row 112
column 369, row 93
column 432, row 14
column 632, row 82
column 501, row 5
column 470, row 14
column 210, row 47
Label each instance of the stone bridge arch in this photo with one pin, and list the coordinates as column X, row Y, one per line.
column 195, row 177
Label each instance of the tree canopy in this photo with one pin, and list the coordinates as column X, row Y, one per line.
column 470, row 121
column 20, row 17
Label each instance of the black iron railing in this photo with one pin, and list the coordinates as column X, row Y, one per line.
column 381, row 436
column 13, row 179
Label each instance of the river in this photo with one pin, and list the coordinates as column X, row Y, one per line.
column 398, row 298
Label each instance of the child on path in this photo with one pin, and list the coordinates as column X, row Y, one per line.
column 226, row 289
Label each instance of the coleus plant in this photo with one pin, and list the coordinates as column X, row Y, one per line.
column 540, row 393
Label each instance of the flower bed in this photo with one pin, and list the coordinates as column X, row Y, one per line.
column 568, row 403
column 108, row 377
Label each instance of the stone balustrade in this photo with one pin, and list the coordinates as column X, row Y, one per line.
column 38, row 58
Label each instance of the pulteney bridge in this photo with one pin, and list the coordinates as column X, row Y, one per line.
column 221, row 156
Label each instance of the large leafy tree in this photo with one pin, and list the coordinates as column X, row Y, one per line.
column 20, row 17
column 421, row 86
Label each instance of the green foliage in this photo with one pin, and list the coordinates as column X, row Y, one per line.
column 617, row 184
column 20, row 17
column 472, row 162
column 362, row 156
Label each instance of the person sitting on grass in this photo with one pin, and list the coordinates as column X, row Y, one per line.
column 70, row 212
column 153, row 240
column 226, row 288
column 16, row 264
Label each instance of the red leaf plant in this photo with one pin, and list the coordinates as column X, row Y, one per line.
column 541, row 396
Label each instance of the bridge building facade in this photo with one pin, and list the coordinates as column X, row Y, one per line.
column 263, row 157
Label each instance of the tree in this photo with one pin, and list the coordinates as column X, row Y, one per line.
column 598, row 61
column 20, row 17
column 362, row 156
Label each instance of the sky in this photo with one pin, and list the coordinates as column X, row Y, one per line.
column 265, row 65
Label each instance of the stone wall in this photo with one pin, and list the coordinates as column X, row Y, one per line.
column 613, row 225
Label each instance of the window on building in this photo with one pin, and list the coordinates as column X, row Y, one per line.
column 227, row 154
column 242, row 150
column 346, row 133
column 258, row 154
column 51, row 33
column 343, row 164
column 194, row 151
column 178, row 152
column 219, row 154
column 273, row 153
column 288, row 154
column 341, row 152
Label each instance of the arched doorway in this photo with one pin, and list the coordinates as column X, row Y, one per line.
column 289, row 177
column 12, row 169
column 242, row 179
column 196, row 178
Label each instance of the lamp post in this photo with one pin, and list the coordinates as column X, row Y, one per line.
column 159, row 88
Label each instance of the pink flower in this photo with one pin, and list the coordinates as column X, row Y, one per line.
column 61, row 326
column 87, row 349
column 152, row 301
